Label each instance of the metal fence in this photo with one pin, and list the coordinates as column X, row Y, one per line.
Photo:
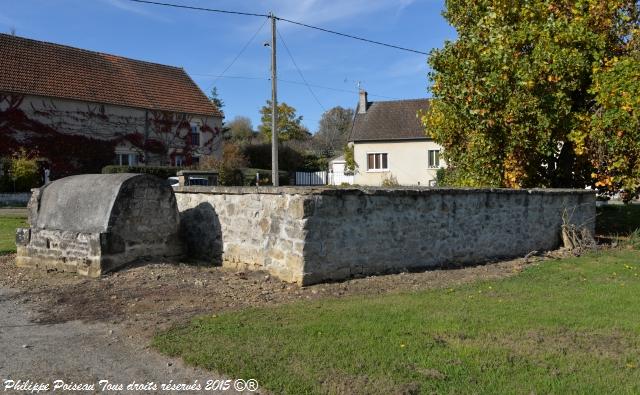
column 323, row 178
column 311, row 178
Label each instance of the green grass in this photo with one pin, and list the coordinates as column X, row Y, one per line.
column 8, row 227
column 563, row 326
column 617, row 220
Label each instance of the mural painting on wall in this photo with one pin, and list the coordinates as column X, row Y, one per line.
column 79, row 141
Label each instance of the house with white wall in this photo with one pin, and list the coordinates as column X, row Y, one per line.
column 80, row 110
column 389, row 143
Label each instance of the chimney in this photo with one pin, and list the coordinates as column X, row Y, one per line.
column 362, row 103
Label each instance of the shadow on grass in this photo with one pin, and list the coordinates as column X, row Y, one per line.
column 615, row 221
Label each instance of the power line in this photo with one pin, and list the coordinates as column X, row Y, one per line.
column 242, row 77
column 353, row 37
column 284, row 20
column 239, row 53
column 336, row 89
column 300, row 72
column 199, row 8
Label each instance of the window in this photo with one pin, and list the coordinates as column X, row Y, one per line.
column 377, row 161
column 434, row 159
column 126, row 159
column 178, row 160
column 195, row 135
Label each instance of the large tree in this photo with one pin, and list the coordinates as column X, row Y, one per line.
column 240, row 128
column 214, row 97
column 333, row 130
column 611, row 137
column 289, row 123
column 514, row 88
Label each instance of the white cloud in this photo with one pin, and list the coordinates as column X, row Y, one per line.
column 326, row 11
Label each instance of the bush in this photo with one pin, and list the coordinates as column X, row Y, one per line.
column 445, row 177
column 314, row 162
column 20, row 172
column 265, row 177
column 390, row 181
column 259, row 156
column 159, row 171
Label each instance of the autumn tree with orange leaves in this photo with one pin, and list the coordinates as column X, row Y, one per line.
column 539, row 93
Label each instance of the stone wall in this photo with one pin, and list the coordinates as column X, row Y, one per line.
column 255, row 231
column 310, row 235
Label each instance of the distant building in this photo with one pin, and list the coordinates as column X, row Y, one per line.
column 81, row 110
column 390, row 143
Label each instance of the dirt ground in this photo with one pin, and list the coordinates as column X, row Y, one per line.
column 153, row 296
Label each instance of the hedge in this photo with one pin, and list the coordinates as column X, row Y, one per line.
column 160, row 171
column 265, row 174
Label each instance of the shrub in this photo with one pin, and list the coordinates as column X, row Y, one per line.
column 159, row 171
column 233, row 159
column 259, row 157
column 349, row 158
column 390, row 181
column 313, row 162
column 20, row 173
column 265, row 177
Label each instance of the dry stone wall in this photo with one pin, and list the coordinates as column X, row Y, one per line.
column 310, row 235
column 253, row 231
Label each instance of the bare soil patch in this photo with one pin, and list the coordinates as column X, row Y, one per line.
column 154, row 296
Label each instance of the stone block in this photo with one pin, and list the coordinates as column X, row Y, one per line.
column 23, row 236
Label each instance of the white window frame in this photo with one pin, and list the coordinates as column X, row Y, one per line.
column 196, row 128
column 382, row 169
column 132, row 158
column 182, row 160
column 437, row 165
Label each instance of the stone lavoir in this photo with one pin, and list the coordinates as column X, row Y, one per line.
column 92, row 224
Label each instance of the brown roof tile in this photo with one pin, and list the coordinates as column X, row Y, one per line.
column 53, row 70
column 390, row 120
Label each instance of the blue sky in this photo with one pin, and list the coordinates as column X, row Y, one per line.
column 206, row 43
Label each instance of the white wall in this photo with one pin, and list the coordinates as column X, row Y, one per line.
column 407, row 162
column 108, row 122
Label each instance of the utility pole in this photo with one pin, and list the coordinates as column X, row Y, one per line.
column 274, row 106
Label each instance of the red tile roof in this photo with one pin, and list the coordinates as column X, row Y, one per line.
column 46, row 69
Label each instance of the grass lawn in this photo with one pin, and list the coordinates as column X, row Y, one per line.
column 564, row 326
column 8, row 227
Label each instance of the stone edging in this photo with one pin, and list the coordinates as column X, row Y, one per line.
column 374, row 191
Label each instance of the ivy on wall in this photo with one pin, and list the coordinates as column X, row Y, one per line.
column 70, row 154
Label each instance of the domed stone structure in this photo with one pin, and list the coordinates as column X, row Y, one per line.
column 95, row 223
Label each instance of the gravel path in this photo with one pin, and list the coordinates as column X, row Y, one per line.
column 81, row 353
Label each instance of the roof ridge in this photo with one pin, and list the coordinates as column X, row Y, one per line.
column 48, row 69
column 88, row 50
column 401, row 100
